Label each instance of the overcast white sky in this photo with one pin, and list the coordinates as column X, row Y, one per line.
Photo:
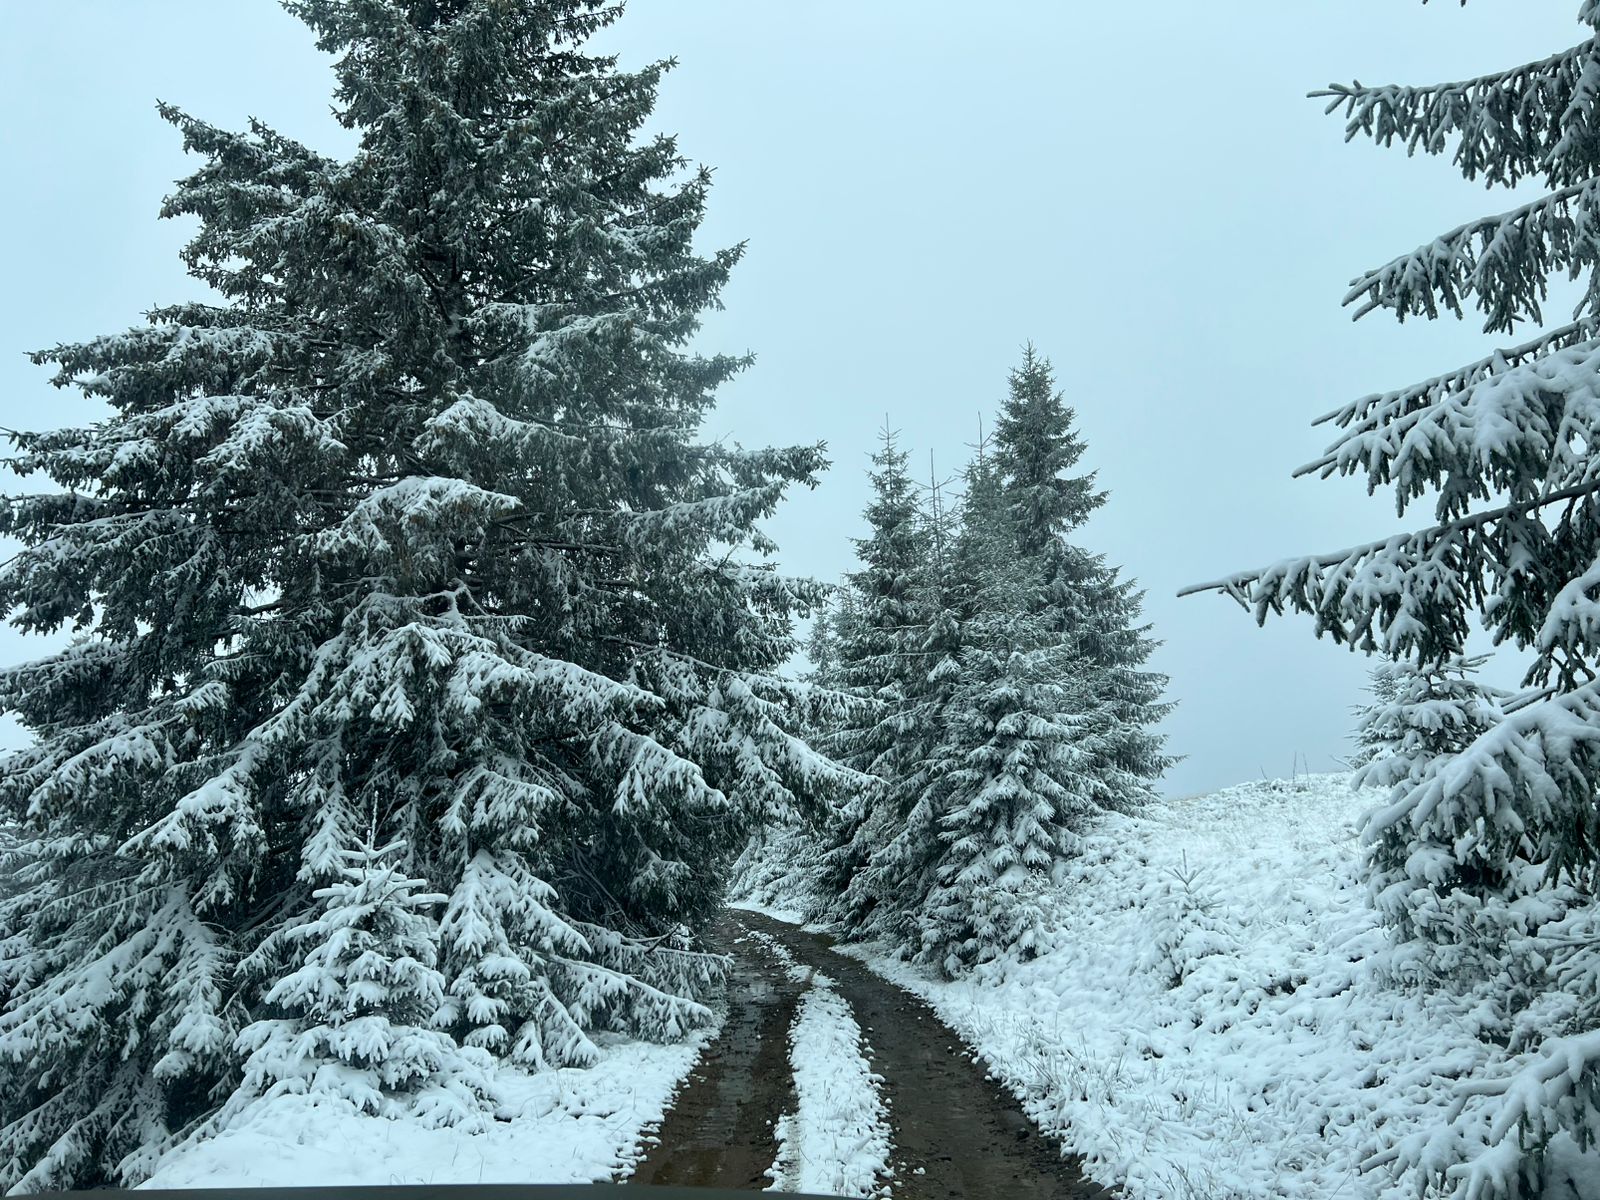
column 1141, row 189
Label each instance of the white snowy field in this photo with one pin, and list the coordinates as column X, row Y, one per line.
column 1212, row 1019
column 566, row 1126
column 837, row 1141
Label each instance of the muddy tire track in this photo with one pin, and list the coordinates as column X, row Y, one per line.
column 957, row 1134
column 719, row 1131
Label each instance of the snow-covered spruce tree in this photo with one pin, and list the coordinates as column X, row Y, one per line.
column 879, row 644
column 1419, row 713
column 407, row 537
column 1504, row 447
column 1374, row 738
column 360, row 993
column 879, row 658
column 822, row 647
column 902, row 869
column 1007, row 779
column 1036, row 448
column 1422, row 717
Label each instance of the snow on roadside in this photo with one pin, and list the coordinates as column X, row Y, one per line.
column 1211, row 1017
column 565, row 1126
column 836, row 1143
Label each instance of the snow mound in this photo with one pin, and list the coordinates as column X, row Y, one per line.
column 837, row 1141
column 559, row 1126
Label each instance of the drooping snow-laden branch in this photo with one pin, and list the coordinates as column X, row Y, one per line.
column 1412, row 591
column 1536, row 119
column 1504, row 263
column 1523, row 780
column 1498, row 1130
column 1391, row 413
column 1519, row 430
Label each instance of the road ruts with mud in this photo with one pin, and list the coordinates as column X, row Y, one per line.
column 720, row 1130
column 957, row 1135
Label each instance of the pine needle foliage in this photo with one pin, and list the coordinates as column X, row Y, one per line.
column 1491, row 835
column 408, row 538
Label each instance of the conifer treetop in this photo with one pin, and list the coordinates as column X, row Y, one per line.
column 1037, row 442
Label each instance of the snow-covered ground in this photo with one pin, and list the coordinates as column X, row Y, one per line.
column 836, row 1143
column 1212, row 1019
column 567, row 1126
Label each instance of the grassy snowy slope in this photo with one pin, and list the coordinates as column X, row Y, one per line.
column 568, row 1126
column 1212, row 1020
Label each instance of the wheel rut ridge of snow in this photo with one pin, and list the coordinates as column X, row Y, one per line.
column 721, row 1128
column 955, row 1132
column 837, row 1140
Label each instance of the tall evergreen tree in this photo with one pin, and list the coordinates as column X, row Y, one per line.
column 1504, row 448
column 879, row 649
column 879, row 655
column 1007, row 780
column 822, row 647
column 902, row 869
column 1012, row 703
column 408, row 537
column 1037, row 449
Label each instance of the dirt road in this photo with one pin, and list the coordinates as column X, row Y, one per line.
column 720, row 1130
column 956, row 1134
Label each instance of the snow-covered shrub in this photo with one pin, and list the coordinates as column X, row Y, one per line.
column 1440, row 877
column 360, row 997
column 1420, row 712
column 1188, row 922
